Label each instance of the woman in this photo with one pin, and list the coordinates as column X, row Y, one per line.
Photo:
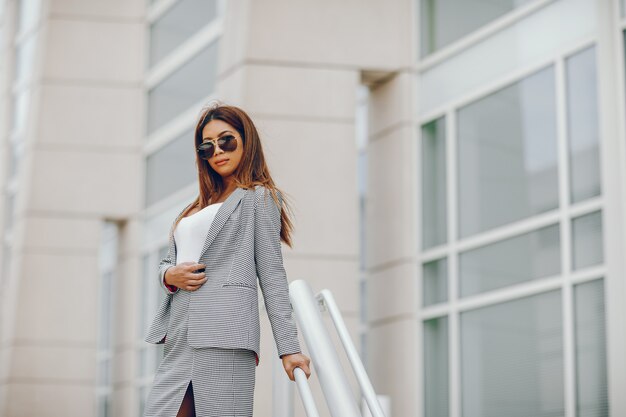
column 208, row 318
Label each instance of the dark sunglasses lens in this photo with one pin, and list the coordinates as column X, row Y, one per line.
column 227, row 143
column 206, row 150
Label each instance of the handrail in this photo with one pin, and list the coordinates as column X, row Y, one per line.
column 357, row 365
column 324, row 358
column 305, row 393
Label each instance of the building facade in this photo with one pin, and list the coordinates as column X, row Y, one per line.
column 476, row 150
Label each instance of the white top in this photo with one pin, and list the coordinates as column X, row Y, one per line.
column 190, row 233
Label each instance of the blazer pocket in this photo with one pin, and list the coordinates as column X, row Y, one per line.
column 239, row 284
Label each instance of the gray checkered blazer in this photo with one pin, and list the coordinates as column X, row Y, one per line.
column 243, row 243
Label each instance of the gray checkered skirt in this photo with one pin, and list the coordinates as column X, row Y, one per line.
column 222, row 379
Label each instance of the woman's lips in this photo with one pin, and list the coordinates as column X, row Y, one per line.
column 221, row 162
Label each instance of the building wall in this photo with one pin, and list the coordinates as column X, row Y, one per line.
column 489, row 251
column 78, row 72
column 497, row 280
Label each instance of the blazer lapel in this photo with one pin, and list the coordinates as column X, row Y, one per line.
column 221, row 216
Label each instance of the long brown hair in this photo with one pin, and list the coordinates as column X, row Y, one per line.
column 251, row 171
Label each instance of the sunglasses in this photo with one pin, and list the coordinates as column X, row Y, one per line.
column 227, row 143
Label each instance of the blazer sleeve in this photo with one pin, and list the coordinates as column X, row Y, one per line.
column 271, row 273
column 166, row 263
column 169, row 261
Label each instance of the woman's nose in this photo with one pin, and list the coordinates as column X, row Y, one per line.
column 218, row 150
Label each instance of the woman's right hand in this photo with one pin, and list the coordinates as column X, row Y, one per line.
column 183, row 276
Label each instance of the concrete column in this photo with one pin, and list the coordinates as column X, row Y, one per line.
column 295, row 67
column 81, row 165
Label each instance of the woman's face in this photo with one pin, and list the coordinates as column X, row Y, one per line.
column 214, row 130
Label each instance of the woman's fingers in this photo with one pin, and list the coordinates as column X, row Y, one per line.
column 194, row 284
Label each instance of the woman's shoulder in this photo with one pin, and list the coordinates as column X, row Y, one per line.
column 263, row 191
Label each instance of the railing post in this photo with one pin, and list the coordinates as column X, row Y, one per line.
column 357, row 365
column 324, row 359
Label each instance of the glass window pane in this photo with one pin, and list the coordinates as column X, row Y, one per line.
column 590, row 335
column 445, row 21
column 171, row 168
column 512, row 358
column 507, row 155
column 523, row 258
column 435, row 276
column 582, row 125
column 106, row 311
column 538, row 37
column 587, row 244
column 185, row 87
column 434, row 185
column 178, row 24
column 436, row 367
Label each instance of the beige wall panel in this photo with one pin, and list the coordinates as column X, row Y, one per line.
column 102, row 50
column 121, row 9
column 54, row 362
column 293, row 92
column 392, row 104
column 89, row 183
column 356, row 33
column 90, row 116
column 392, row 292
column 391, row 213
column 315, row 164
column 393, row 364
column 62, row 233
column 57, row 298
column 50, row 400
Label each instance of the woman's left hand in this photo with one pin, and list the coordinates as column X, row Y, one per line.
column 293, row 360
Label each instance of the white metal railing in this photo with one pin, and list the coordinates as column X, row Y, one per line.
column 324, row 358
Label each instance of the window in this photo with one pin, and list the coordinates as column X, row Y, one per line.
column 582, row 125
column 590, row 350
column 436, row 367
column 183, row 88
column 522, row 258
column 435, row 278
column 181, row 21
column 107, row 265
column 434, row 184
column 171, row 168
column 445, row 21
column 494, row 279
column 587, row 248
column 507, row 154
column 512, row 358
